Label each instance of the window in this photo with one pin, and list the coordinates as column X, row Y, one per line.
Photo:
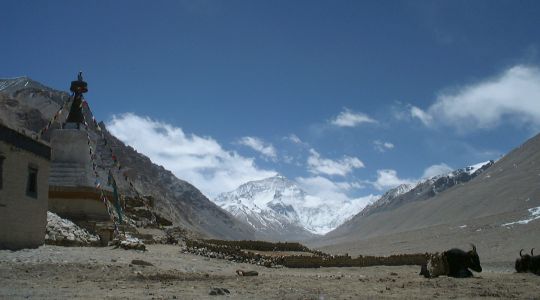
column 31, row 186
column 1, row 171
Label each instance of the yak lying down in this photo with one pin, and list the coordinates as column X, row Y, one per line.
column 454, row 263
column 528, row 263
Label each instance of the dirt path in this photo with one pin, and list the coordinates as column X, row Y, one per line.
column 97, row 273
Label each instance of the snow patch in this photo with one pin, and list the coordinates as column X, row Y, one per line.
column 474, row 168
column 535, row 214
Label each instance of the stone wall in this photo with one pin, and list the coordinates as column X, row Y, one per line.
column 78, row 203
column 23, row 218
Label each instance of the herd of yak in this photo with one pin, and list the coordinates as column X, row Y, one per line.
column 456, row 263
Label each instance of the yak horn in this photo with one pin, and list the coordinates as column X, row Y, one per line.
column 473, row 247
column 520, row 253
column 532, row 254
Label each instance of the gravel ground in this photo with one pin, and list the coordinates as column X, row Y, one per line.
column 104, row 273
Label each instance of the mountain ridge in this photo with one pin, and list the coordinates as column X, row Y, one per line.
column 475, row 211
column 28, row 105
column 425, row 188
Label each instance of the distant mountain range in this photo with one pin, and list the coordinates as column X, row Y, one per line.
column 28, row 105
column 278, row 209
column 489, row 203
column 492, row 204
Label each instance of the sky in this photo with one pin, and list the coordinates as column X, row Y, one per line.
column 347, row 98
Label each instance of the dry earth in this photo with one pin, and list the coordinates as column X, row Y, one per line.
column 103, row 273
column 496, row 244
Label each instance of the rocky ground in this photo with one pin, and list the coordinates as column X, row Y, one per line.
column 96, row 273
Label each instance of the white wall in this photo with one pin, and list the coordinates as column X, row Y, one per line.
column 22, row 218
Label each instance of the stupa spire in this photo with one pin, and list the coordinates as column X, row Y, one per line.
column 78, row 88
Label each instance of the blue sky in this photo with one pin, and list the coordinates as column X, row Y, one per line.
column 347, row 97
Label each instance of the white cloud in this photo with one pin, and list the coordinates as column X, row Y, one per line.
column 320, row 165
column 382, row 146
column 288, row 159
column 400, row 111
column 294, row 138
column 323, row 188
column 387, row 179
column 199, row 160
column 260, row 146
column 421, row 115
column 348, row 186
column 348, row 118
column 513, row 96
column 435, row 170
column 330, row 201
column 328, row 190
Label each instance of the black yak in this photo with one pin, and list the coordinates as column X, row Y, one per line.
column 528, row 263
column 454, row 263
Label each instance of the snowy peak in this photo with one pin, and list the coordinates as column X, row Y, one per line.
column 472, row 171
column 258, row 194
column 275, row 183
column 277, row 208
column 265, row 206
column 387, row 198
column 399, row 190
column 480, row 167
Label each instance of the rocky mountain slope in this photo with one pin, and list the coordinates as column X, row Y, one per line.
column 486, row 210
column 278, row 209
column 424, row 189
column 28, row 105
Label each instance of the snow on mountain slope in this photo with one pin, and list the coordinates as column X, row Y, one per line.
column 424, row 188
column 472, row 169
column 388, row 197
column 408, row 193
column 278, row 208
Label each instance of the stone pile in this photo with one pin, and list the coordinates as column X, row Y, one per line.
column 219, row 291
column 63, row 232
column 127, row 242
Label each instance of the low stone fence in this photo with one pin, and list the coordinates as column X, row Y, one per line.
column 347, row 261
column 240, row 251
column 261, row 245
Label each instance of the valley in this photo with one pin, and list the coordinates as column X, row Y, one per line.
column 92, row 273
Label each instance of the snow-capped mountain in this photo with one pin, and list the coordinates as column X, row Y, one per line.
column 278, row 209
column 425, row 188
column 387, row 198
